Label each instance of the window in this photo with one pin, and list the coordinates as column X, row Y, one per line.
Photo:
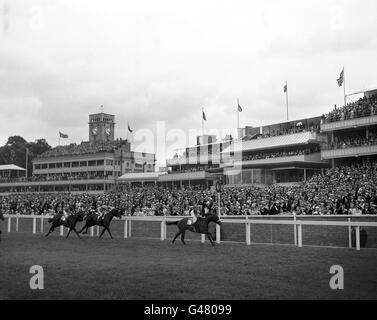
column 75, row 164
column 83, row 163
column 59, row 165
column 67, row 164
column 44, row 166
column 51, row 165
column 37, row 166
column 100, row 162
column 109, row 162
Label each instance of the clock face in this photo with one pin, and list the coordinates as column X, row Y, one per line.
column 108, row 131
column 95, row 131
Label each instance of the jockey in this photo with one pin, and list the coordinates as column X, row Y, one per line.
column 102, row 210
column 194, row 216
column 66, row 212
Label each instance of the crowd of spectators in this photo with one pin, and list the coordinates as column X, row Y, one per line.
column 279, row 154
column 354, row 140
column 342, row 190
column 56, row 177
column 85, row 147
column 364, row 107
column 294, row 128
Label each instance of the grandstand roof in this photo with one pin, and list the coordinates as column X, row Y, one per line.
column 4, row 167
column 268, row 143
column 139, row 176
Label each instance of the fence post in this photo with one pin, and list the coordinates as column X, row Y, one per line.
column 97, row 231
column 129, row 230
column 61, row 231
column 295, row 229
column 165, row 227
column 218, row 235
column 358, row 238
column 203, row 238
column 162, row 229
column 299, row 230
column 248, row 233
column 17, row 222
column 125, row 228
column 34, row 225
column 42, row 224
column 9, row 223
column 92, row 231
column 349, row 233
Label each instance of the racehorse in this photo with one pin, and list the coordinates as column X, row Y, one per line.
column 200, row 226
column 70, row 222
column 92, row 219
column 1, row 218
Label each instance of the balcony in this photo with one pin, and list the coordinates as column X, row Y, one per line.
column 348, row 124
column 198, row 175
column 349, row 152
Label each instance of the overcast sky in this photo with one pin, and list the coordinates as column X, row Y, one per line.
column 164, row 60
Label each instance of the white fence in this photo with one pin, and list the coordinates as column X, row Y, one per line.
column 297, row 222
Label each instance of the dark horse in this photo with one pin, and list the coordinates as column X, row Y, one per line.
column 70, row 222
column 1, row 218
column 200, row 226
column 93, row 220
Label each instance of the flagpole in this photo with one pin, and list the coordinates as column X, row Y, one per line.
column 202, row 122
column 344, row 87
column 27, row 160
column 238, row 115
column 286, row 97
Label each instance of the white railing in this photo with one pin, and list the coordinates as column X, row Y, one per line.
column 296, row 221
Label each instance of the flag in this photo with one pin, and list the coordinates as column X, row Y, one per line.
column 204, row 116
column 239, row 107
column 129, row 129
column 62, row 135
column 341, row 78
column 285, row 88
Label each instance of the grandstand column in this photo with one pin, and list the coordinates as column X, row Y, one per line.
column 304, row 174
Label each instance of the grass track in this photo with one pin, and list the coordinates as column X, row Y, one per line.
column 151, row 269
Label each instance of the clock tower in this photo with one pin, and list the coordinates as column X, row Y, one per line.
column 101, row 127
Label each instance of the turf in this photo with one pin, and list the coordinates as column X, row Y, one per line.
column 133, row 268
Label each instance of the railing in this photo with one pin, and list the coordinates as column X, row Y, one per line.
column 296, row 221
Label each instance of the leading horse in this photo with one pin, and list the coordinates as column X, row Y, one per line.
column 200, row 226
column 92, row 219
column 70, row 222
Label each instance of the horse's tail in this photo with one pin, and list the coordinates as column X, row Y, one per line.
column 168, row 223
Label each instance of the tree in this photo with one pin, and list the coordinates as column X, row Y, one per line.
column 14, row 151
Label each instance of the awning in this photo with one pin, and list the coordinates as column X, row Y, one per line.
column 13, row 167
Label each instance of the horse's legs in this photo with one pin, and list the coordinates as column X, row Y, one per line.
column 183, row 236
column 108, row 230
column 74, row 229
column 176, row 236
column 103, row 230
column 210, row 238
column 50, row 231
column 83, row 228
column 70, row 229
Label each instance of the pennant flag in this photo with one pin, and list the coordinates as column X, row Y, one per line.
column 204, row 116
column 239, row 107
column 129, row 129
column 62, row 135
column 341, row 78
column 285, row 88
